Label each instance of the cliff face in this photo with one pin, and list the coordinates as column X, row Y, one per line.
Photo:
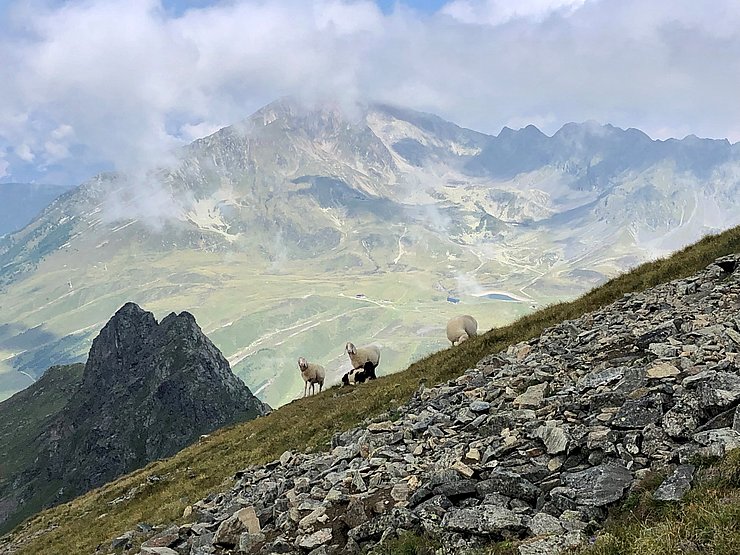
column 148, row 389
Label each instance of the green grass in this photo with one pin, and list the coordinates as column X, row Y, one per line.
column 23, row 419
column 25, row 416
column 409, row 544
column 260, row 319
column 81, row 525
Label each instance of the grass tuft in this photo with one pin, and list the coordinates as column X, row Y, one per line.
column 409, row 544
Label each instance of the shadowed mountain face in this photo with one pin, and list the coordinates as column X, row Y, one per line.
column 299, row 229
column 147, row 390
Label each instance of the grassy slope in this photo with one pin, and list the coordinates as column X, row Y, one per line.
column 79, row 526
column 261, row 316
column 25, row 415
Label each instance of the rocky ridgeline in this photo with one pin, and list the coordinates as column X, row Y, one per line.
column 147, row 391
column 535, row 443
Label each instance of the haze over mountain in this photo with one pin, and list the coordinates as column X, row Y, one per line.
column 147, row 390
column 299, row 229
column 21, row 202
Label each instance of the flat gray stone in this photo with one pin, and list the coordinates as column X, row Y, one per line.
column 675, row 486
column 554, row 438
column 510, row 484
column 552, row 545
column 533, row 396
column 599, row 485
column 312, row 541
column 543, row 523
column 600, row 377
column 480, row 406
column 662, row 370
column 638, row 413
column 482, row 520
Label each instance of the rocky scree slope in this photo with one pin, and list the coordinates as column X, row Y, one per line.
column 533, row 444
column 148, row 389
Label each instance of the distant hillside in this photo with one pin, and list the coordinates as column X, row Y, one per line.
column 301, row 228
column 309, row 424
column 22, row 202
column 147, row 390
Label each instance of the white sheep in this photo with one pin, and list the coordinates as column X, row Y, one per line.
column 312, row 374
column 366, row 358
column 461, row 328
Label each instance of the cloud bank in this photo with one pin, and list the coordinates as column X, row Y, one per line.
column 97, row 84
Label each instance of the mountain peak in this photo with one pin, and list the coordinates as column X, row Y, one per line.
column 148, row 390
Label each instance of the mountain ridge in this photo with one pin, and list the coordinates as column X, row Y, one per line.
column 147, row 390
column 324, row 206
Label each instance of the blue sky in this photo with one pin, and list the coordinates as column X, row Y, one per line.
column 91, row 84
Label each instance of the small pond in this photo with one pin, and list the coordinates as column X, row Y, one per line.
column 501, row 297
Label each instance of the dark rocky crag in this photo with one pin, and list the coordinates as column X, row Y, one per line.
column 148, row 389
column 534, row 444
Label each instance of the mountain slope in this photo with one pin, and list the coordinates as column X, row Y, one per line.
column 148, row 389
column 23, row 420
column 534, row 443
column 22, row 202
column 310, row 423
column 300, row 229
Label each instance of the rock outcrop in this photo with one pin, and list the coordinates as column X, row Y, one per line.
column 148, row 389
column 535, row 443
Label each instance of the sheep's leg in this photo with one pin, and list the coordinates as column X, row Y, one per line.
column 305, row 388
column 321, row 386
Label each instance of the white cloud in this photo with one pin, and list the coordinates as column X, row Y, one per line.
column 190, row 132
column 55, row 151
column 126, row 81
column 496, row 12
column 24, row 152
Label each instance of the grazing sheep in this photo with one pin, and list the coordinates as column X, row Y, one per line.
column 359, row 356
column 461, row 328
column 357, row 375
column 312, row 374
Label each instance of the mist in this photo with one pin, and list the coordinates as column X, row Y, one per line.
column 114, row 84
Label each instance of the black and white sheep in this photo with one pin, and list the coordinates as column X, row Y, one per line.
column 364, row 362
column 312, row 374
column 359, row 375
column 461, row 328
